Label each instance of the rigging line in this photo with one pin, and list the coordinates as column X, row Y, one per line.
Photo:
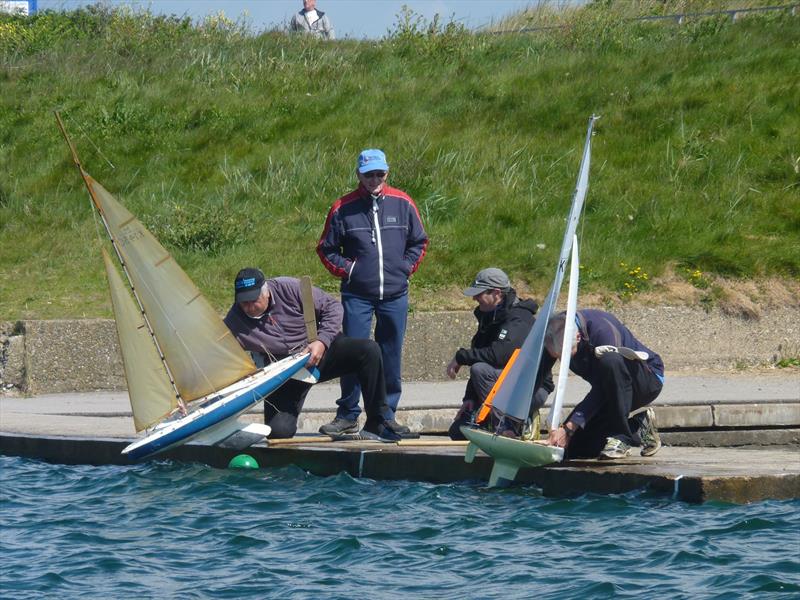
column 86, row 177
column 96, row 221
column 100, row 152
column 277, row 410
column 92, row 205
column 145, row 317
column 178, row 336
column 272, row 358
column 125, row 270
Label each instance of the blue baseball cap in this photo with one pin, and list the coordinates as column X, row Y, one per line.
column 372, row 160
column 247, row 285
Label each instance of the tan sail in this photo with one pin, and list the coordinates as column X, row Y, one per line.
column 199, row 349
column 151, row 393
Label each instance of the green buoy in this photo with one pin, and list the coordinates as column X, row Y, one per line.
column 243, row 461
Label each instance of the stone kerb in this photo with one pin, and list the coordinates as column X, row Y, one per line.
column 83, row 355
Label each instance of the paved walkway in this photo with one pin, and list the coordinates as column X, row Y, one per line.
column 425, row 406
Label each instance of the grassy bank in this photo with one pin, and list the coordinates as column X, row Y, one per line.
column 232, row 146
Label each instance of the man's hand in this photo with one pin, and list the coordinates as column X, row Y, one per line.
column 558, row 437
column 452, row 369
column 316, row 349
column 600, row 350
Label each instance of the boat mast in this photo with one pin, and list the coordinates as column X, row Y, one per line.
column 84, row 176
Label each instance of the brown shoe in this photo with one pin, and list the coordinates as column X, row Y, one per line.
column 507, row 429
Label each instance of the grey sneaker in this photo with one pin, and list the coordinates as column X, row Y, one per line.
column 372, row 432
column 339, row 426
column 615, row 449
column 651, row 441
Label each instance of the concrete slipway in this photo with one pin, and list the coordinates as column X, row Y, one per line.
column 729, row 437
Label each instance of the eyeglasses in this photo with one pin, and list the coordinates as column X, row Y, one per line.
column 373, row 174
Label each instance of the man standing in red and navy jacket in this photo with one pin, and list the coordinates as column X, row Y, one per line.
column 373, row 241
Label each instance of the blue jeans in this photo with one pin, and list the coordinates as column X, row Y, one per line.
column 390, row 330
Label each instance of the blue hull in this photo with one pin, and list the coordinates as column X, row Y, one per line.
column 228, row 407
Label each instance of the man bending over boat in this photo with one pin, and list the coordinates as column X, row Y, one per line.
column 624, row 375
column 267, row 319
column 504, row 321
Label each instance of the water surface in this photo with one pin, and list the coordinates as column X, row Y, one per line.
column 175, row 530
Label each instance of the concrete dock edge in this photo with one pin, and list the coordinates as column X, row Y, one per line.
column 692, row 475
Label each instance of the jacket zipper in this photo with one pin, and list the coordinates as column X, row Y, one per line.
column 377, row 234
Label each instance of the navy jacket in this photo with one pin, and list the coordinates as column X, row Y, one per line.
column 373, row 245
column 599, row 328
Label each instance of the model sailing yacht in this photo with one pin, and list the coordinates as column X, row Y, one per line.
column 512, row 400
column 188, row 378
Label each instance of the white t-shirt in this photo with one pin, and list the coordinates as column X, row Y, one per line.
column 312, row 17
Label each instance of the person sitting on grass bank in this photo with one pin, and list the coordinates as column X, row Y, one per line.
column 267, row 320
column 624, row 375
column 504, row 321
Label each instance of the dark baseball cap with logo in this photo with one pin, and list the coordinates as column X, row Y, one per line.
column 488, row 279
column 247, row 285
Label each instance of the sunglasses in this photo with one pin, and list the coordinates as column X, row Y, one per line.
column 379, row 174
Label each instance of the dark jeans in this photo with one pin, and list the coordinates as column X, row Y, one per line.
column 482, row 377
column 390, row 329
column 346, row 355
column 625, row 385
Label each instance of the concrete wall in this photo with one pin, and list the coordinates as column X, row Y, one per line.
column 39, row 357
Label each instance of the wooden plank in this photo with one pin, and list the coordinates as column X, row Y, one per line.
column 422, row 442
column 309, row 315
column 301, row 439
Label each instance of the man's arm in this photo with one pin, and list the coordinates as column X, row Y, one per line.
column 498, row 352
column 416, row 241
column 329, row 316
column 329, row 247
column 294, row 24
column 327, row 28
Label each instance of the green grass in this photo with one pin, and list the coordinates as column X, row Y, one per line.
column 232, row 146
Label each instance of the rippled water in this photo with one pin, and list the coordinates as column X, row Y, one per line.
column 175, row 530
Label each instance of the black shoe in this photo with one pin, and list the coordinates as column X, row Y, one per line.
column 378, row 433
column 396, row 427
column 339, row 426
column 401, row 430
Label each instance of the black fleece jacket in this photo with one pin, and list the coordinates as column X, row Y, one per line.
column 500, row 332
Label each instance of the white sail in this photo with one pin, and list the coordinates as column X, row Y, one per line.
column 570, row 329
column 151, row 393
column 200, row 351
column 513, row 399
